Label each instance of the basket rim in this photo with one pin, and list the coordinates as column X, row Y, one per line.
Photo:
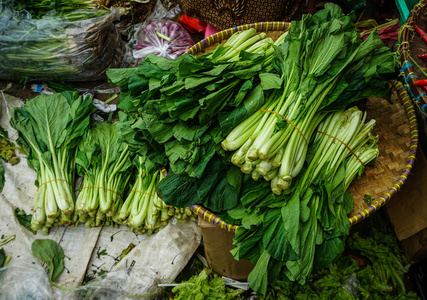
column 406, row 101
column 226, row 33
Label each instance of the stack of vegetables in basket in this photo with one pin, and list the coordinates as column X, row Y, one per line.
column 280, row 111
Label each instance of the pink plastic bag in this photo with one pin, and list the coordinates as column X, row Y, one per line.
column 163, row 38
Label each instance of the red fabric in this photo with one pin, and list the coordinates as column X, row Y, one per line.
column 387, row 34
column 210, row 30
column 192, row 25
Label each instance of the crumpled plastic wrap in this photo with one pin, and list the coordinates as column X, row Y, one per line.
column 24, row 278
column 159, row 259
column 55, row 48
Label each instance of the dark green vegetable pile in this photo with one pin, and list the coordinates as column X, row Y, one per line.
column 244, row 101
column 285, row 106
column 372, row 267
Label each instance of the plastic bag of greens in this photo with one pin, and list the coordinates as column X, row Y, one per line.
column 163, row 38
column 77, row 46
column 159, row 35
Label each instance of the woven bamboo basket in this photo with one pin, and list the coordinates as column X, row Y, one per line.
column 412, row 44
column 396, row 126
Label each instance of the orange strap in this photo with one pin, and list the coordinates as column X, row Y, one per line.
column 102, row 188
column 287, row 120
column 143, row 193
column 52, row 181
column 349, row 149
column 232, row 48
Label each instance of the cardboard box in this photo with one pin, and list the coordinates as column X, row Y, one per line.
column 407, row 211
column 217, row 244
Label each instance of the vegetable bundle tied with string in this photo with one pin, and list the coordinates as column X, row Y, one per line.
column 321, row 66
column 50, row 128
column 142, row 210
column 292, row 235
column 106, row 163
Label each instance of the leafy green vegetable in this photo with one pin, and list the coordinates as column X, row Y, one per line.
column 49, row 43
column 49, row 252
column 217, row 190
column 50, row 127
column 143, row 210
column 188, row 104
column 303, row 230
column 379, row 278
column 38, row 9
column 106, row 163
column 321, row 66
column 24, row 219
column 205, row 285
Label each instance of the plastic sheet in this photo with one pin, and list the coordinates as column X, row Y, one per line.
column 55, row 48
column 158, row 258
column 24, row 278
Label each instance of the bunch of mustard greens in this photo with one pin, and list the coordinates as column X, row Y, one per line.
column 287, row 236
column 322, row 66
column 50, row 129
column 120, row 172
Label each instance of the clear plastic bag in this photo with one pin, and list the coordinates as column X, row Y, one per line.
column 59, row 48
column 144, row 38
column 163, row 38
column 24, row 278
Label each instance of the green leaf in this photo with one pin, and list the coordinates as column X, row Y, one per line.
column 291, row 218
column 49, row 114
column 270, row 81
column 252, row 102
column 244, row 89
column 246, row 74
column 193, row 82
column 120, row 77
column 2, row 257
column 275, row 240
column 327, row 252
column 213, row 190
column 24, row 219
column 163, row 63
column 247, row 243
column 51, row 254
column 258, row 277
